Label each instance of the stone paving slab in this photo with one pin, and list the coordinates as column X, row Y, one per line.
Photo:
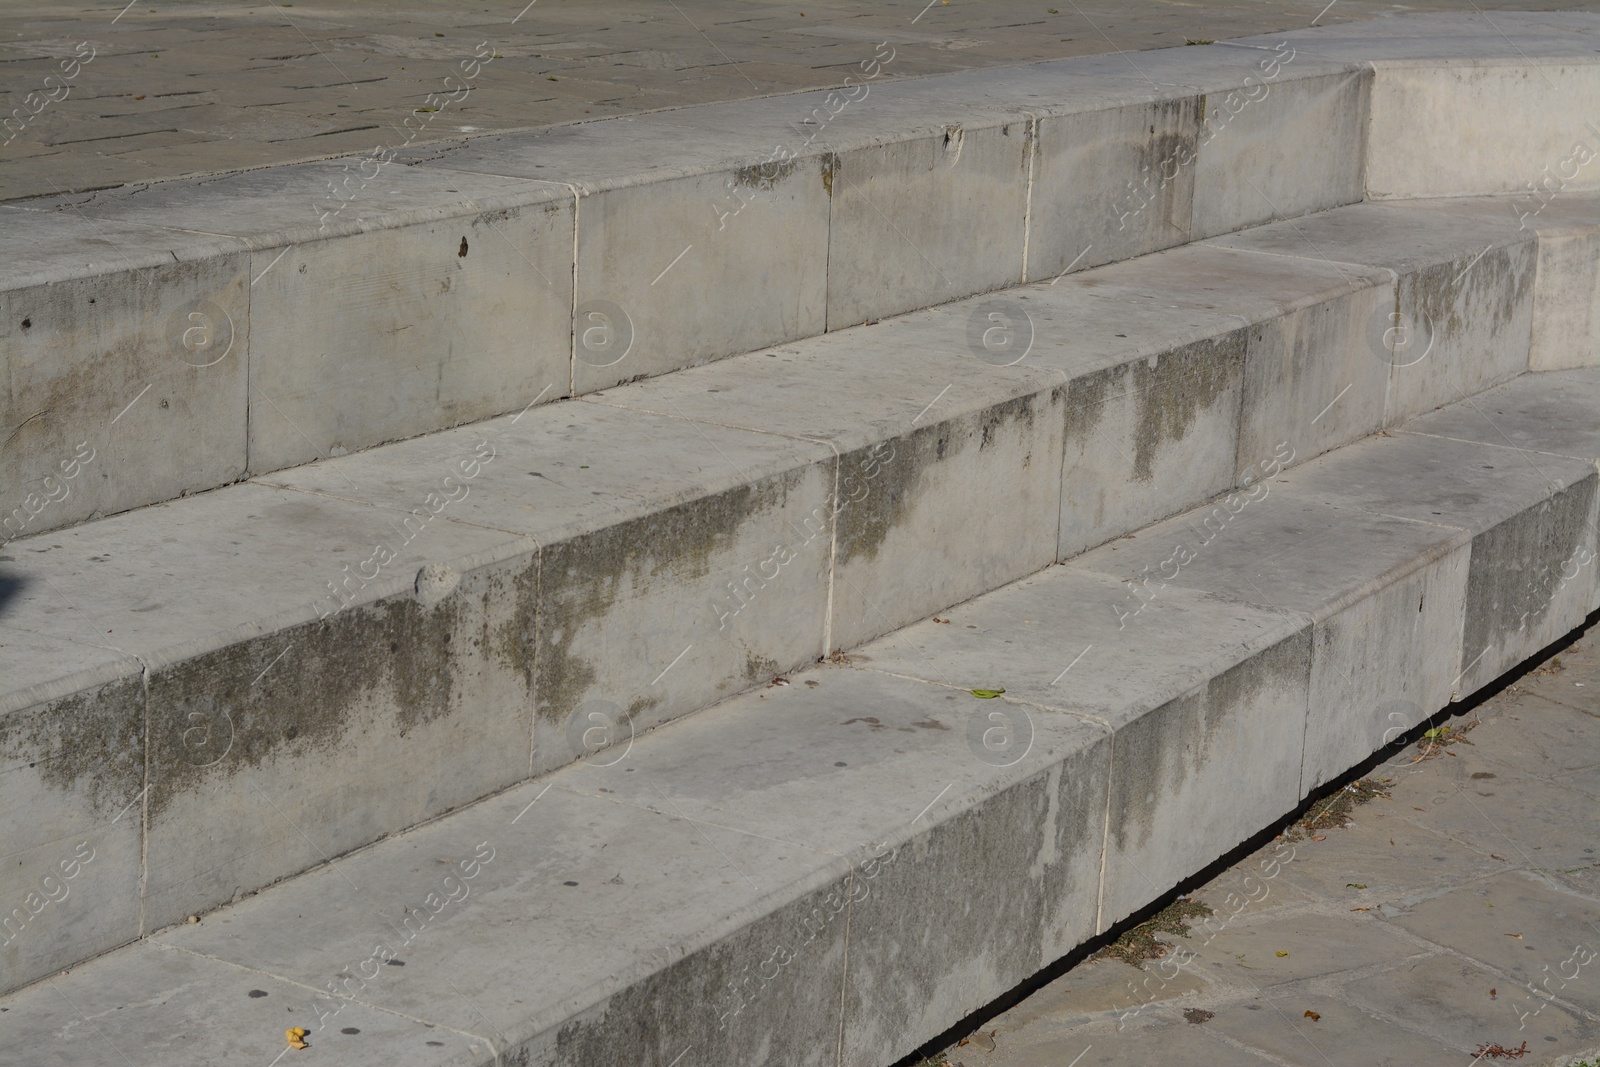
column 1418, row 933
column 154, row 91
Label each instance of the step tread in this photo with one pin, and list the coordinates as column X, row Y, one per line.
column 702, row 847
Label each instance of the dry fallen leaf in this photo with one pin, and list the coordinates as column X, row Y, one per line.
column 1313, row 1016
column 1493, row 994
column 1360, row 909
column 1282, row 953
column 296, row 1036
column 1355, row 885
column 1517, row 936
column 1319, row 837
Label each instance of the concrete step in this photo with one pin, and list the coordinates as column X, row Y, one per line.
column 829, row 869
column 191, row 333
column 223, row 687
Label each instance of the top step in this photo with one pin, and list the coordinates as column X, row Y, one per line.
column 192, row 333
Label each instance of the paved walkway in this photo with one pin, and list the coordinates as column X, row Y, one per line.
column 162, row 89
column 1460, row 913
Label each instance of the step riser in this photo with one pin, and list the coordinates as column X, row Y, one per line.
column 307, row 338
column 542, row 649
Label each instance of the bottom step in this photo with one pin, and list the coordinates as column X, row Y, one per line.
column 835, row 868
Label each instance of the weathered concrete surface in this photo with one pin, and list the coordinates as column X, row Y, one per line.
column 1532, row 529
column 203, row 90
column 1190, row 368
column 72, row 821
column 1463, row 302
column 925, row 430
column 1566, row 290
column 1443, row 919
column 1386, row 599
column 658, row 587
column 117, row 395
column 579, row 594
column 383, row 307
column 1219, row 684
column 431, row 285
column 184, row 999
column 784, row 857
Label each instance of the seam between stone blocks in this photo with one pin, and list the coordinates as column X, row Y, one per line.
column 844, row 971
column 1105, row 837
column 572, row 333
column 144, row 799
column 1031, row 135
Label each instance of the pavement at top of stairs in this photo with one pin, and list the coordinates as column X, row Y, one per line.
column 1455, row 913
column 162, row 90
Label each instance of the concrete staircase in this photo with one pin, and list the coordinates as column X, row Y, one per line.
column 1223, row 503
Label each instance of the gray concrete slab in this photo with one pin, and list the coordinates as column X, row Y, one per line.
column 662, row 588
column 674, row 958
column 72, row 822
column 1464, row 298
column 1015, row 811
column 1217, row 687
column 925, row 428
column 1525, row 519
column 1387, row 597
column 126, row 367
column 212, row 600
column 406, row 301
column 190, row 1010
column 1164, row 353
column 1567, row 285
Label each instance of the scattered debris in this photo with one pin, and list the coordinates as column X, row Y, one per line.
column 981, row 1041
column 1198, row 1015
column 777, row 679
column 1333, row 811
column 1433, row 741
column 1498, row 1051
column 1355, row 885
column 1552, row 666
column 1199, row 40
column 1313, row 1016
column 1139, row 943
column 945, row 621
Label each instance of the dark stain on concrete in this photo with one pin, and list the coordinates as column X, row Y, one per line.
column 873, row 504
column 830, row 167
column 394, row 655
column 1201, row 378
column 583, row 577
column 764, row 176
column 88, row 745
column 1173, row 745
column 1515, row 568
column 1453, row 298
